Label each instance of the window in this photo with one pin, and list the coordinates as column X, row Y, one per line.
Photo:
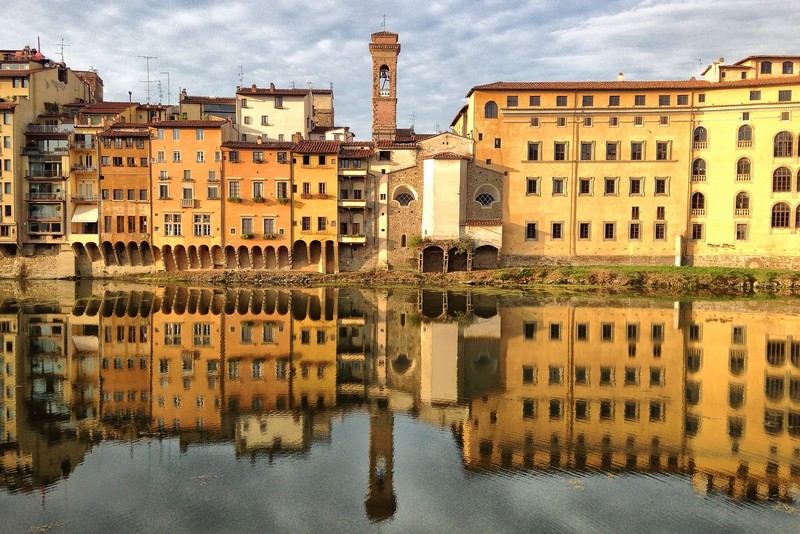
column 584, row 229
column 559, row 151
column 701, row 97
column 485, row 199
column 638, row 120
column 531, row 233
column 742, row 231
column 766, row 67
column 745, row 136
column 490, row 110
column 403, row 196
column 612, row 151
column 176, row 134
column 587, row 101
column 610, row 186
column 613, row 100
column 788, row 67
column 662, row 150
column 163, row 191
column 534, row 151
column 176, row 156
column 535, row 100
column 212, row 192
column 609, row 230
column 660, row 232
column 534, row 122
column 498, row 143
column 561, row 122
column 698, row 170
column 663, row 120
column 202, row 225
column 785, row 95
column 635, row 187
column 512, row 101
column 322, row 224
column 782, row 180
column 782, row 145
column 278, row 102
column 247, row 226
column 561, row 101
column 780, row 215
column 555, row 331
column 586, row 151
column 528, row 374
column 559, row 186
column 697, row 232
column 532, row 186
column 258, row 189
column 661, row 186
column 584, row 186
column 663, row 100
column 635, row 231
column 172, row 224
column 557, row 230
column 305, row 224
column 637, row 150
column 234, row 189
column 755, row 95
column 639, row 100
column 118, row 194
column 587, row 121
column 321, row 159
column 698, row 203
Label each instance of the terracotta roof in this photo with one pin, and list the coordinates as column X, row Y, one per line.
column 208, row 100
column 117, row 132
column 748, row 58
column 188, row 124
column 384, row 32
column 317, row 147
column 118, row 125
column 385, row 143
column 364, row 153
column 152, row 106
column 279, row 92
column 346, row 144
column 108, row 107
column 631, row 85
column 485, row 222
column 269, row 145
column 8, row 105
column 446, row 155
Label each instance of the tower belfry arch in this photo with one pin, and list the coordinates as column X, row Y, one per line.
column 384, row 49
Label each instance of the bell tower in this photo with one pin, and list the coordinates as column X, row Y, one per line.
column 384, row 50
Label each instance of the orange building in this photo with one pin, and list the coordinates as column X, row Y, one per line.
column 125, row 367
column 257, row 215
column 187, row 205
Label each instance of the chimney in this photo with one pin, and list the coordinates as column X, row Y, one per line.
column 620, row 77
column 255, row 87
column 271, row 86
column 297, row 137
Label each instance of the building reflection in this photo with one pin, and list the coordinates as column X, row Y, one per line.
column 710, row 390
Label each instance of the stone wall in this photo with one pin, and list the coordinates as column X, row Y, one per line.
column 41, row 266
column 743, row 261
column 404, row 220
column 477, row 176
column 532, row 261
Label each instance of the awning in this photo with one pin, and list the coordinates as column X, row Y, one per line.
column 85, row 214
column 86, row 343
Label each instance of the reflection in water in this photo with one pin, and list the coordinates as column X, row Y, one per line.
column 709, row 390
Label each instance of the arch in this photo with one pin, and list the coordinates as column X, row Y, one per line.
column 194, row 257
column 217, row 256
column 270, row 300
column 780, row 215
column 94, row 252
column 284, row 261
column 108, row 254
column 194, row 301
column 243, row 257
column 384, row 80
column 744, row 167
column 742, row 201
column 230, row 257
column 490, row 110
column 283, row 303
column 699, row 167
column 745, row 133
column 485, row 257
column 432, row 303
column 147, row 253
column 330, row 257
column 787, row 67
column 134, row 301
column 404, row 195
column 299, row 254
column 217, row 302
column 181, row 260
column 700, row 135
column 169, row 259
column 455, row 261
column 83, row 263
column 782, row 180
column 299, row 305
column 258, row 258
column 257, row 301
column 230, row 301
column 120, row 253
column 205, row 301
column 243, row 301
column 797, row 217
column 270, row 261
column 698, row 201
column 134, row 255
column 782, row 145
column 486, row 195
column 403, row 241
column 484, row 306
column 156, row 254
column 314, row 308
column 205, row 257
column 314, row 252
column 433, row 259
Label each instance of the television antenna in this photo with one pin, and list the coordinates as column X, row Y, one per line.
column 147, row 59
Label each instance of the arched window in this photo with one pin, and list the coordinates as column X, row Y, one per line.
column 699, row 167
column 698, row 202
column 486, row 195
column 780, row 215
column 700, row 137
column 403, row 195
column 403, row 241
column 742, row 204
column 782, row 147
column 788, row 67
column 384, row 80
column 781, row 180
column 490, row 110
column 745, row 136
column 743, row 167
column 796, row 225
column 766, row 67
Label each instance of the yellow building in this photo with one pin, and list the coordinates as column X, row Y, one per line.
column 622, row 171
column 275, row 114
column 314, row 332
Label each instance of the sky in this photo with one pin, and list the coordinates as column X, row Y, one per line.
column 448, row 46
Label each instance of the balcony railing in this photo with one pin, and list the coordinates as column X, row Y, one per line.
column 84, row 168
column 84, row 199
column 50, row 128
column 45, row 175
column 698, row 211
column 80, row 145
column 187, row 202
column 741, row 212
column 35, row 151
column 743, row 178
column 700, row 145
column 744, row 144
column 698, row 178
column 44, row 196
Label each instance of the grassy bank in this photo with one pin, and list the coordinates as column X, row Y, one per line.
column 673, row 280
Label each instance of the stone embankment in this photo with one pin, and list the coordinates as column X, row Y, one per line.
column 657, row 280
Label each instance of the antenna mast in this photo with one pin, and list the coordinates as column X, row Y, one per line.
column 147, row 59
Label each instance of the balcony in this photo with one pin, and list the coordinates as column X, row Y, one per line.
column 352, row 203
column 187, row 203
column 36, row 151
column 84, row 199
column 80, row 145
column 353, row 239
column 84, row 168
column 353, row 172
column 743, row 178
column 700, row 145
column 744, row 144
column 49, row 129
column 698, row 178
column 45, row 175
column 741, row 212
column 698, row 212
column 44, row 197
